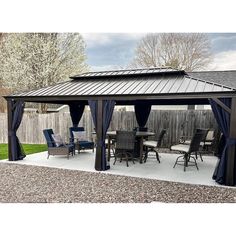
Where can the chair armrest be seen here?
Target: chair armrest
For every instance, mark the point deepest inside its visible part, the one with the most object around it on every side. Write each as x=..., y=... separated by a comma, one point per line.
x=71, y=139
x=50, y=142
x=182, y=139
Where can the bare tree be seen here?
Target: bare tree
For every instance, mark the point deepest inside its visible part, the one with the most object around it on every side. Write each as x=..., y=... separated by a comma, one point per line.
x=35, y=60
x=187, y=51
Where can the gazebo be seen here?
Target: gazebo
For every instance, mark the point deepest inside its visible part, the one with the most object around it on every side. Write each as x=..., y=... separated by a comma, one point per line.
x=141, y=88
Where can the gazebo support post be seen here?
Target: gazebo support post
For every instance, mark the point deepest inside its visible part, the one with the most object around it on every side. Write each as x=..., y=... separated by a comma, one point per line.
x=10, y=104
x=231, y=151
x=98, y=161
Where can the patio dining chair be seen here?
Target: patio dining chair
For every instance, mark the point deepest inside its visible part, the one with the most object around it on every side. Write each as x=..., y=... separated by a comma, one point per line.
x=209, y=139
x=153, y=146
x=55, y=148
x=188, y=150
x=125, y=146
x=202, y=143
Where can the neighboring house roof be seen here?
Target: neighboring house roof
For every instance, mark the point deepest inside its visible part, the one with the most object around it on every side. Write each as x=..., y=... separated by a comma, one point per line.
x=153, y=82
x=227, y=78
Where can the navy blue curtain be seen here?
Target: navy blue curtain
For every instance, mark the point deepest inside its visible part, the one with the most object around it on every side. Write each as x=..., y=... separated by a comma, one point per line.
x=108, y=108
x=76, y=112
x=223, y=119
x=142, y=110
x=16, y=147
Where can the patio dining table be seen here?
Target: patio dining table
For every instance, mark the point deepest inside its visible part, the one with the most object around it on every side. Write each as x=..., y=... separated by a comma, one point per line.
x=140, y=135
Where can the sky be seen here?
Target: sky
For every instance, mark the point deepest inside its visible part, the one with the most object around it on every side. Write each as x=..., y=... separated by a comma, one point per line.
x=107, y=51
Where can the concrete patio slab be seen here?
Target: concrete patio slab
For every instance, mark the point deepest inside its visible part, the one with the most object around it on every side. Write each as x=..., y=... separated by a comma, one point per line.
x=151, y=169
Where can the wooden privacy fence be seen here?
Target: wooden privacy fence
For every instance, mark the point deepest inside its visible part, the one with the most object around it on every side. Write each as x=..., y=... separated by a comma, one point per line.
x=177, y=123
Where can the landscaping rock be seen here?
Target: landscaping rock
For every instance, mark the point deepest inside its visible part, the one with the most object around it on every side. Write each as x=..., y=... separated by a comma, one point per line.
x=34, y=184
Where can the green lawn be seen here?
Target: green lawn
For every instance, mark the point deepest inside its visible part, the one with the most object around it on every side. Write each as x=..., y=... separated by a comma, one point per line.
x=28, y=148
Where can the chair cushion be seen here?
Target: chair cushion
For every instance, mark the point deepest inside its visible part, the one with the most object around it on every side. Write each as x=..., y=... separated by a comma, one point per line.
x=207, y=143
x=86, y=144
x=48, y=136
x=210, y=135
x=187, y=142
x=180, y=148
x=150, y=143
x=57, y=139
x=80, y=135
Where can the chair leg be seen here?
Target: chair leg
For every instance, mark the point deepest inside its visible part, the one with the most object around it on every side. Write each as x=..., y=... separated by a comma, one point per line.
x=157, y=156
x=133, y=160
x=113, y=151
x=200, y=156
x=131, y=156
x=146, y=154
x=195, y=163
x=127, y=160
x=186, y=159
x=177, y=161
x=115, y=160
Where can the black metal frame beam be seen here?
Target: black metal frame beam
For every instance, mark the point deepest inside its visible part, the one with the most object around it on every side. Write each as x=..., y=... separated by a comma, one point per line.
x=222, y=105
x=123, y=97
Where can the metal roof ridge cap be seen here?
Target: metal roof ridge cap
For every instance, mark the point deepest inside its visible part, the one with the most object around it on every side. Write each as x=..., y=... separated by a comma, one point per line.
x=174, y=70
x=134, y=69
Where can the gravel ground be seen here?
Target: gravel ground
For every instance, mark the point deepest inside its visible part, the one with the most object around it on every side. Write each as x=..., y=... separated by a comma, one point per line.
x=23, y=183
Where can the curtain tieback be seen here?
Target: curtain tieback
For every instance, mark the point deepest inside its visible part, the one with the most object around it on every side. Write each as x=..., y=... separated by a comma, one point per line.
x=101, y=144
x=12, y=133
x=230, y=141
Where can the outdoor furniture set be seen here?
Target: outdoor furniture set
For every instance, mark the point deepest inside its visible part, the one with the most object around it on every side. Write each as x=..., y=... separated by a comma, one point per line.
x=126, y=140
x=130, y=145
x=78, y=141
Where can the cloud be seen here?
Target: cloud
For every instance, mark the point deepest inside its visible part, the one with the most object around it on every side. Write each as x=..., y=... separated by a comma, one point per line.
x=224, y=61
x=105, y=49
x=223, y=42
x=101, y=39
x=96, y=39
x=105, y=68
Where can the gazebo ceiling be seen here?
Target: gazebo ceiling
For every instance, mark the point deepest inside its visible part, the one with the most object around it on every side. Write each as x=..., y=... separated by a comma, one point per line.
x=154, y=82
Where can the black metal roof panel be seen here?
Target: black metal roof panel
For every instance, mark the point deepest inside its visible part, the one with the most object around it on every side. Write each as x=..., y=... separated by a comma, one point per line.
x=227, y=78
x=155, y=84
x=128, y=72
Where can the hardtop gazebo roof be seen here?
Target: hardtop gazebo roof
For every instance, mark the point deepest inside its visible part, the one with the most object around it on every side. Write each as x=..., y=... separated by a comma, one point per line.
x=153, y=83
